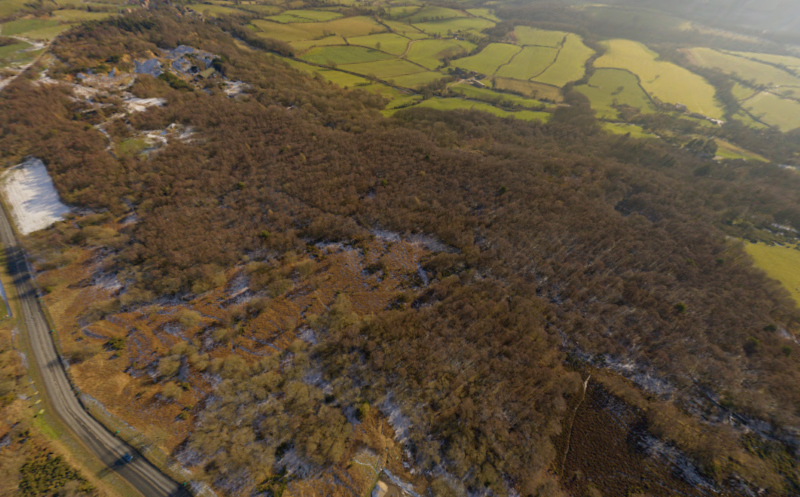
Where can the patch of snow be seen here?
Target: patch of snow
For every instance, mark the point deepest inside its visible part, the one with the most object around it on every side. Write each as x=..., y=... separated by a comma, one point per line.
x=35, y=204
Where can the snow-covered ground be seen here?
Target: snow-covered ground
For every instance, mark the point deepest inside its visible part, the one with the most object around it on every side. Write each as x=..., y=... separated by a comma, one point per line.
x=33, y=198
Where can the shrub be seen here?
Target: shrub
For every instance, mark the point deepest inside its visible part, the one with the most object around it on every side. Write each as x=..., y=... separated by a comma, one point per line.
x=116, y=343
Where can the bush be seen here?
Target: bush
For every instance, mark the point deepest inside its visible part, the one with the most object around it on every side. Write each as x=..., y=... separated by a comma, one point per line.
x=172, y=391
x=116, y=343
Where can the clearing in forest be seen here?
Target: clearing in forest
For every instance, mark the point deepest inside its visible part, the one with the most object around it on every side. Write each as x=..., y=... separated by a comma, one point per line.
x=665, y=81
x=780, y=262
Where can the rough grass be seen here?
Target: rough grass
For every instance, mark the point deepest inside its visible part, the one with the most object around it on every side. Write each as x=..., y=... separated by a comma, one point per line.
x=529, y=63
x=730, y=151
x=9, y=7
x=213, y=10
x=15, y=54
x=385, y=69
x=779, y=112
x=608, y=87
x=347, y=27
x=461, y=104
x=525, y=35
x=570, y=64
x=452, y=26
x=387, y=42
x=335, y=55
x=745, y=68
x=663, y=80
x=781, y=263
x=429, y=53
x=489, y=59
x=529, y=89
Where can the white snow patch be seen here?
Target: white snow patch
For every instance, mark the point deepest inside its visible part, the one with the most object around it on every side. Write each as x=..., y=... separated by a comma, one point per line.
x=135, y=104
x=34, y=201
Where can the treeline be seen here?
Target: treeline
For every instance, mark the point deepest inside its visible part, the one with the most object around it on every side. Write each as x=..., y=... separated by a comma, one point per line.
x=562, y=235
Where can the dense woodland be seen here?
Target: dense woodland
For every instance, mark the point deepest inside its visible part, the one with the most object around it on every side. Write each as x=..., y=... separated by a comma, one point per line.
x=564, y=240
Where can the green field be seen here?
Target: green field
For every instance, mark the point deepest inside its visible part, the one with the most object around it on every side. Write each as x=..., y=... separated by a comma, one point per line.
x=336, y=55
x=314, y=15
x=624, y=129
x=745, y=68
x=400, y=11
x=791, y=63
x=23, y=26
x=489, y=59
x=432, y=13
x=429, y=53
x=570, y=64
x=494, y=97
x=347, y=27
x=461, y=104
x=457, y=25
x=525, y=35
x=16, y=54
x=529, y=63
x=388, y=42
x=781, y=263
x=69, y=15
x=384, y=69
x=662, y=80
x=406, y=30
x=609, y=87
x=775, y=111
x=727, y=150
x=485, y=13
x=417, y=80
x=305, y=45
x=529, y=89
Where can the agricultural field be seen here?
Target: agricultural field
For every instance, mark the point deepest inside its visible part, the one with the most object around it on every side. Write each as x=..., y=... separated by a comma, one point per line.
x=610, y=87
x=781, y=263
x=789, y=62
x=493, y=97
x=336, y=55
x=471, y=26
x=432, y=13
x=627, y=129
x=346, y=27
x=529, y=89
x=727, y=150
x=461, y=104
x=743, y=68
x=387, y=42
x=525, y=35
x=664, y=81
x=489, y=59
x=529, y=63
x=429, y=53
x=773, y=110
x=569, y=65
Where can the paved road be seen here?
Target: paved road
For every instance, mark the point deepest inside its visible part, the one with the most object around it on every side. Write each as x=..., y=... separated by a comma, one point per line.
x=142, y=475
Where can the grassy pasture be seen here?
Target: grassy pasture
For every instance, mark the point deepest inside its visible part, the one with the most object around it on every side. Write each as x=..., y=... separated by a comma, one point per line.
x=640, y=19
x=433, y=13
x=400, y=11
x=267, y=10
x=781, y=263
x=730, y=151
x=457, y=25
x=744, y=68
x=775, y=111
x=429, y=53
x=336, y=55
x=417, y=80
x=406, y=30
x=484, y=13
x=340, y=78
x=287, y=19
x=213, y=10
x=69, y=15
x=23, y=26
x=493, y=97
x=461, y=104
x=9, y=7
x=741, y=92
x=791, y=63
x=529, y=88
x=16, y=54
x=529, y=63
x=314, y=15
x=347, y=27
x=525, y=35
x=489, y=59
x=384, y=69
x=663, y=80
x=614, y=86
x=569, y=65
x=624, y=129
x=302, y=46
x=387, y=42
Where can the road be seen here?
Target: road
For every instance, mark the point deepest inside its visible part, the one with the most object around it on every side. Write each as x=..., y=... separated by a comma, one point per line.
x=142, y=475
